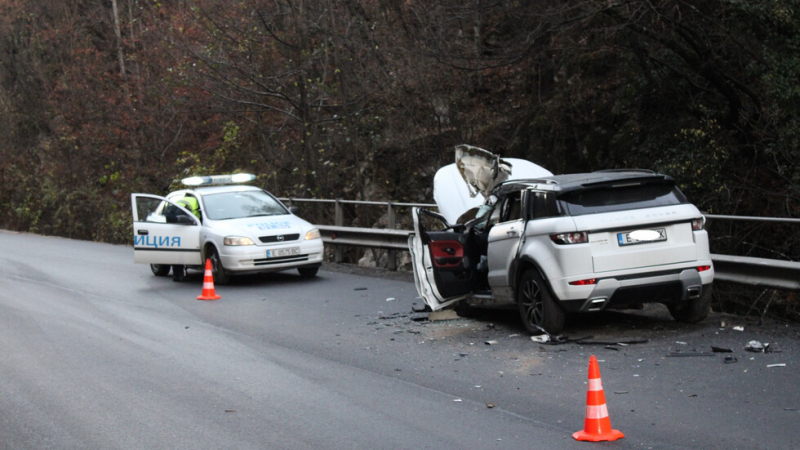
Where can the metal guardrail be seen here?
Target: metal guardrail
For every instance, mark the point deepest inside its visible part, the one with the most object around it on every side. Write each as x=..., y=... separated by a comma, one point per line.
x=759, y=272
x=365, y=237
x=389, y=238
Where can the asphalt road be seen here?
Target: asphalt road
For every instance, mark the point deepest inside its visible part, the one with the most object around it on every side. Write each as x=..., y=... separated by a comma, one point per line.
x=96, y=352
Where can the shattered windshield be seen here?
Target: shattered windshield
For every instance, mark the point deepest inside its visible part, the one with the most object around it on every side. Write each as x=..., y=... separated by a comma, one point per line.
x=237, y=205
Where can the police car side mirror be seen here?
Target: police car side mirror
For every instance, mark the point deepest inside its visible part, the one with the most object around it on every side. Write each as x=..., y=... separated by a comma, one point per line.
x=294, y=210
x=184, y=220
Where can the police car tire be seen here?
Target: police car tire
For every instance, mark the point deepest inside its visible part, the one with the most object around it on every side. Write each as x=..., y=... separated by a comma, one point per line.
x=308, y=272
x=220, y=275
x=160, y=270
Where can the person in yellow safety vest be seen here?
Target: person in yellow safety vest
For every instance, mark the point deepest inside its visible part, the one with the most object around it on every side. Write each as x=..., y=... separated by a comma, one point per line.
x=190, y=203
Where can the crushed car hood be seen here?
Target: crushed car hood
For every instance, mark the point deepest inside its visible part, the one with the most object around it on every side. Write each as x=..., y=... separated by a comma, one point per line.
x=476, y=171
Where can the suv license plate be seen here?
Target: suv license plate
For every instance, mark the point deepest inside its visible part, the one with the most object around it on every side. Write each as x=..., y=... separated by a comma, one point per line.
x=642, y=236
x=283, y=252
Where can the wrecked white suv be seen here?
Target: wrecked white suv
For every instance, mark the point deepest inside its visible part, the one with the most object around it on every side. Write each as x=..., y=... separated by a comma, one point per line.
x=555, y=244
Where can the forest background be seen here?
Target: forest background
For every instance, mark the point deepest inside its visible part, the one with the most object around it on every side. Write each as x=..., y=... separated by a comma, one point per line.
x=365, y=99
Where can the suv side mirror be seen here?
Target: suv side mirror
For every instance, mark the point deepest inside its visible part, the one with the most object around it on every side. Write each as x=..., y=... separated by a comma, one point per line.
x=294, y=210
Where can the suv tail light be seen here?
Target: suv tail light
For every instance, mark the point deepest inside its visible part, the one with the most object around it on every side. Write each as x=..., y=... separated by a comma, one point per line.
x=698, y=224
x=578, y=237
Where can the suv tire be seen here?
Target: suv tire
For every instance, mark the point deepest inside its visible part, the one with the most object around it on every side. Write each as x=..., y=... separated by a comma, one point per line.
x=538, y=310
x=694, y=310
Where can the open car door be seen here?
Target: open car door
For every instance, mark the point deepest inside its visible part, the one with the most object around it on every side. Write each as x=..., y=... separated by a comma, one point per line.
x=163, y=232
x=442, y=261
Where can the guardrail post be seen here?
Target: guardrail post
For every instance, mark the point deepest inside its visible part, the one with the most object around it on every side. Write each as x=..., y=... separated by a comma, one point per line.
x=338, y=220
x=391, y=223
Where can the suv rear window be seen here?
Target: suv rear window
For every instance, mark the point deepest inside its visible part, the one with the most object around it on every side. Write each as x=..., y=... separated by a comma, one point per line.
x=608, y=199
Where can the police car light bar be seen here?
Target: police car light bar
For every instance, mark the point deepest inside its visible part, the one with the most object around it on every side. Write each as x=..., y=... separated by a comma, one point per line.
x=218, y=179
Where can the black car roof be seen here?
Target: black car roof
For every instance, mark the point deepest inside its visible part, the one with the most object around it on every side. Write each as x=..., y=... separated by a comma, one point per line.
x=591, y=180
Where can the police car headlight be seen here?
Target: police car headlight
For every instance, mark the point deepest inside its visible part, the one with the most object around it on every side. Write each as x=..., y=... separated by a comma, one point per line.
x=313, y=234
x=236, y=240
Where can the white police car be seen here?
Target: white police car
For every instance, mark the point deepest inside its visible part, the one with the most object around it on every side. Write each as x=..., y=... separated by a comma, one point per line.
x=242, y=229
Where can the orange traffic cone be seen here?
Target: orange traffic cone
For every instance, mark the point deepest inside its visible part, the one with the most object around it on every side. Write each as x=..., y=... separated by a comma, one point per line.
x=208, y=284
x=597, y=426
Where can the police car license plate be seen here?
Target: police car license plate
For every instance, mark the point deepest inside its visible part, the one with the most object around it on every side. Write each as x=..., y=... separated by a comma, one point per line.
x=277, y=253
x=642, y=236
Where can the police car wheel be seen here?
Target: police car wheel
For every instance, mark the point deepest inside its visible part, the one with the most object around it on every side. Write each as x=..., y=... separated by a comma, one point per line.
x=220, y=275
x=308, y=272
x=160, y=270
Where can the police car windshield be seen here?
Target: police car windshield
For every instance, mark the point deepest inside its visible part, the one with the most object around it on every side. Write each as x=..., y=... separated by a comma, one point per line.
x=237, y=205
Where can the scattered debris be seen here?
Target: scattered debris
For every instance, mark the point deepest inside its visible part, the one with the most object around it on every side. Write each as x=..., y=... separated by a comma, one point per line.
x=419, y=309
x=738, y=328
x=457, y=400
x=396, y=315
x=757, y=347
x=542, y=338
x=419, y=317
x=230, y=410
x=391, y=299
x=490, y=342
x=490, y=405
x=674, y=354
x=721, y=350
x=621, y=392
x=584, y=341
x=681, y=343
x=730, y=360
x=776, y=365
x=360, y=289
x=444, y=314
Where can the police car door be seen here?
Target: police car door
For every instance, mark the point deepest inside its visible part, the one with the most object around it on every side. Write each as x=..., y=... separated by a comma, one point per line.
x=163, y=232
